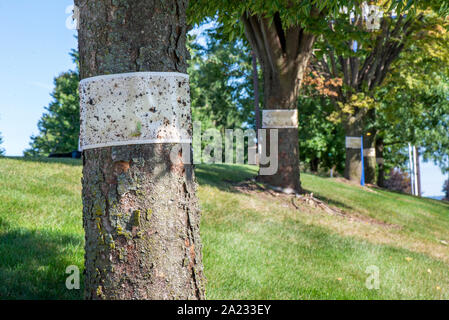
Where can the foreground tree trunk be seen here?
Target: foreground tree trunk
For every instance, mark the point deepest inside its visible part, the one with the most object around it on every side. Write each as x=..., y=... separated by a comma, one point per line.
x=283, y=55
x=140, y=211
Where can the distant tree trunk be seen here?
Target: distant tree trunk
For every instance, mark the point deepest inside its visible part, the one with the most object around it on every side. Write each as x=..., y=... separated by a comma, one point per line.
x=158, y=254
x=355, y=127
x=370, y=162
x=353, y=165
x=364, y=75
x=380, y=162
x=314, y=164
x=256, y=94
x=369, y=145
x=284, y=55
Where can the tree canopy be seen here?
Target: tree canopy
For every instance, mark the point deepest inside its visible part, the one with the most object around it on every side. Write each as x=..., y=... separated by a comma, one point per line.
x=220, y=82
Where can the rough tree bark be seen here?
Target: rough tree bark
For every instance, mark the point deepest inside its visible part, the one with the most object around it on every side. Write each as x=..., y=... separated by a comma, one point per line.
x=283, y=55
x=157, y=254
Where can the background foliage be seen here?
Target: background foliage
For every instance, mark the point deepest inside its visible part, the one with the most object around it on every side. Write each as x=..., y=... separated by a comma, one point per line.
x=59, y=126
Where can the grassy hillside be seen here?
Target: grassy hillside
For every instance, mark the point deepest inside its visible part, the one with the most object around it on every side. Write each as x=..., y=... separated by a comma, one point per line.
x=257, y=245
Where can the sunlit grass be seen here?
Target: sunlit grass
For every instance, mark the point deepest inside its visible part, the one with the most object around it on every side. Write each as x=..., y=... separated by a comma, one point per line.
x=255, y=246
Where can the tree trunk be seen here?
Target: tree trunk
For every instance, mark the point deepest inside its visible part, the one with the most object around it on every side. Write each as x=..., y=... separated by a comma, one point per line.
x=284, y=55
x=282, y=96
x=380, y=162
x=353, y=165
x=314, y=164
x=140, y=211
x=369, y=146
x=355, y=127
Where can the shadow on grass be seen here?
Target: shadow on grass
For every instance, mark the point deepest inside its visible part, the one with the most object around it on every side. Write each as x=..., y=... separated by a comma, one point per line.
x=222, y=175
x=33, y=264
x=67, y=161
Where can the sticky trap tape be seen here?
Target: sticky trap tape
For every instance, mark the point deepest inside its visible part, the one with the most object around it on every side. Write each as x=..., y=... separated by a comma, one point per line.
x=135, y=108
x=279, y=119
x=353, y=143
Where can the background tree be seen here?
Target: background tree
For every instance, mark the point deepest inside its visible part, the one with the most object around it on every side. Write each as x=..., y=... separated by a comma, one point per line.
x=413, y=102
x=321, y=141
x=59, y=127
x=398, y=180
x=154, y=252
x=446, y=190
x=277, y=35
x=2, y=151
x=282, y=34
x=363, y=60
x=221, y=82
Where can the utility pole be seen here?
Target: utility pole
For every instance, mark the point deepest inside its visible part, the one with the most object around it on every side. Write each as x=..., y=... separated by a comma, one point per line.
x=417, y=172
x=410, y=161
x=415, y=176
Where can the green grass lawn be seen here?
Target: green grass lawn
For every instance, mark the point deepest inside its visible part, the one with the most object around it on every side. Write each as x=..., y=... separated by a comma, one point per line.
x=256, y=245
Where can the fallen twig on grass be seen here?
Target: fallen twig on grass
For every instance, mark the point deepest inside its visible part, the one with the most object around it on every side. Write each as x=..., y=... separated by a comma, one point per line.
x=310, y=200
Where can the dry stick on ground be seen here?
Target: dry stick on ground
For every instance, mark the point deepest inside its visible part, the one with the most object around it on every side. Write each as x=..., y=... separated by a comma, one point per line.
x=310, y=200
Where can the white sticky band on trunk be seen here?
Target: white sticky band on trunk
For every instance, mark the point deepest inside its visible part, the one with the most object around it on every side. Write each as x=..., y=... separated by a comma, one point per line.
x=279, y=119
x=380, y=160
x=353, y=142
x=369, y=152
x=135, y=108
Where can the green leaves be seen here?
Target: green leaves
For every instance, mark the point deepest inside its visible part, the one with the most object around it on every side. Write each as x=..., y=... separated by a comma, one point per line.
x=320, y=139
x=415, y=105
x=220, y=81
x=59, y=126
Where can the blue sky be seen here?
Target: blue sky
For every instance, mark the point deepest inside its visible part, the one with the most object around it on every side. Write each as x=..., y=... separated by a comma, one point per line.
x=35, y=48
